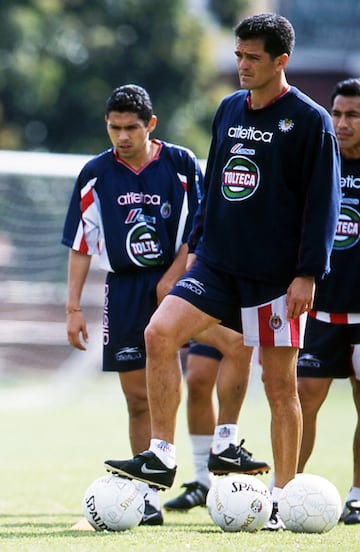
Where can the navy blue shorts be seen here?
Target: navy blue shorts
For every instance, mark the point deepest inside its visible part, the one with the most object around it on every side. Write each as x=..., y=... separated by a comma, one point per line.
x=225, y=296
x=201, y=349
x=330, y=350
x=130, y=301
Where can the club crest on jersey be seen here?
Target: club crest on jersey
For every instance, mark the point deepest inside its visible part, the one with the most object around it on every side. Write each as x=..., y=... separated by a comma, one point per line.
x=143, y=247
x=275, y=322
x=165, y=210
x=347, y=228
x=285, y=125
x=240, y=179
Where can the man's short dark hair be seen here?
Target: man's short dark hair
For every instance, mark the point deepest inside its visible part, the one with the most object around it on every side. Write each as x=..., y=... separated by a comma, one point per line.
x=275, y=30
x=131, y=98
x=347, y=87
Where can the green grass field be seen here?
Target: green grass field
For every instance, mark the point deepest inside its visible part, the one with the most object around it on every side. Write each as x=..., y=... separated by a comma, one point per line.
x=51, y=452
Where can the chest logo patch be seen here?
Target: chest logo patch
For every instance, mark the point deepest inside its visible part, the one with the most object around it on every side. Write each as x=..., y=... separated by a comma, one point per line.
x=347, y=229
x=240, y=179
x=143, y=247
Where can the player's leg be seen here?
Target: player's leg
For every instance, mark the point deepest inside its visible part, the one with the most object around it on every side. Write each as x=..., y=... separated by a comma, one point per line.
x=312, y=394
x=232, y=382
x=202, y=364
x=133, y=384
x=279, y=377
x=267, y=326
x=351, y=511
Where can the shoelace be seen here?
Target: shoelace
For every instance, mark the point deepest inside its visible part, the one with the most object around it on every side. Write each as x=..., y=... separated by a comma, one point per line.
x=241, y=448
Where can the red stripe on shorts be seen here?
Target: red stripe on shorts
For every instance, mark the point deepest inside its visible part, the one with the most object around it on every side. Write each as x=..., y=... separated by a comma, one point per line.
x=295, y=332
x=266, y=334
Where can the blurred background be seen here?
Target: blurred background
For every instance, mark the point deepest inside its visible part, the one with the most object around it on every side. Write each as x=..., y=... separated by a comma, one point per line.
x=59, y=61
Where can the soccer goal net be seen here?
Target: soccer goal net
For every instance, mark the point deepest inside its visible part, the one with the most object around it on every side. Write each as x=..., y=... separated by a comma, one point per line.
x=35, y=190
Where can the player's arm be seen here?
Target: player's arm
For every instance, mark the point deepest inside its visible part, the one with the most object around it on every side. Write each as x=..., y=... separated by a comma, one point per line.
x=171, y=276
x=78, y=269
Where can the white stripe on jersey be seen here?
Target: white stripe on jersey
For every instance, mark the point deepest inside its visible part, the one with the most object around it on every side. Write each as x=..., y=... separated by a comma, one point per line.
x=183, y=214
x=90, y=230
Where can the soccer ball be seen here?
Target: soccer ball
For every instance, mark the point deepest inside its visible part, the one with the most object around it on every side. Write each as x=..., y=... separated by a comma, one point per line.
x=309, y=504
x=239, y=503
x=112, y=503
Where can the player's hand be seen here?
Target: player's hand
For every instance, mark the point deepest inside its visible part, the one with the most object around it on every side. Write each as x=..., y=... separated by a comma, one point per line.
x=77, y=330
x=300, y=296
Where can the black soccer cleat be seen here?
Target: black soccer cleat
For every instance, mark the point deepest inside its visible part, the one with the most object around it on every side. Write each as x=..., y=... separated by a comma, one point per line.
x=152, y=516
x=352, y=515
x=146, y=467
x=236, y=459
x=194, y=495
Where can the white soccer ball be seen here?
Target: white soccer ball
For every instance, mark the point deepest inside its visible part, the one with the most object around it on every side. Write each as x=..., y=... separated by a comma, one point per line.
x=239, y=503
x=309, y=504
x=113, y=503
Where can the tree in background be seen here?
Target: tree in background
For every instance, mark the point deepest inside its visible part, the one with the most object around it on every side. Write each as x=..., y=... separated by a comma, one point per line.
x=227, y=12
x=61, y=59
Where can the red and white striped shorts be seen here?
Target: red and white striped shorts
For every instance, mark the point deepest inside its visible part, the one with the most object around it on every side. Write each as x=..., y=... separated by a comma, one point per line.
x=267, y=325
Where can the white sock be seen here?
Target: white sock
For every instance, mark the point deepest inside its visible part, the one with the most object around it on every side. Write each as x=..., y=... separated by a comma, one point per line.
x=165, y=451
x=224, y=435
x=275, y=493
x=150, y=493
x=272, y=482
x=200, y=445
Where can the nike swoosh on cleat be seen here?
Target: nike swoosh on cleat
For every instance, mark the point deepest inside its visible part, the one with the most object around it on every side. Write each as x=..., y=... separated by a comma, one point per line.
x=145, y=469
x=235, y=461
x=146, y=517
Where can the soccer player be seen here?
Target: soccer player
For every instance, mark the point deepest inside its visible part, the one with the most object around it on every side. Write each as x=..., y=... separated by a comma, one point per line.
x=272, y=185
x=332, y=335
x=133, y=206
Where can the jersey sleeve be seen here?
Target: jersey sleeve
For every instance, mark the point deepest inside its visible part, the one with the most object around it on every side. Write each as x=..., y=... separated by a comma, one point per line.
x=82, y=223
x=322, y=205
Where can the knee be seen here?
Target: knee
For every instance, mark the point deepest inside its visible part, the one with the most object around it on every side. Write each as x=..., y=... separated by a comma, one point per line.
x=198, y=387
x=137, y=403
x=279, y=391
x=155, y=335
x=311, y=396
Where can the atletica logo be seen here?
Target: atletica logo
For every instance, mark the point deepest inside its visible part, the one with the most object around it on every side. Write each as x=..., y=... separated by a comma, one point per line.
x=347, y=228
x=250, y=133
x=192, y=285
x=240, y=179
x=135, y=197
x=143, y=246
x=128, y=353
x=350, y=181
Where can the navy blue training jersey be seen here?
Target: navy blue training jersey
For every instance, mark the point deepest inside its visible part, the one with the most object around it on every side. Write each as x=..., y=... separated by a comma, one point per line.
x=134, y=219
x=272, y=190
x=339, y=292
